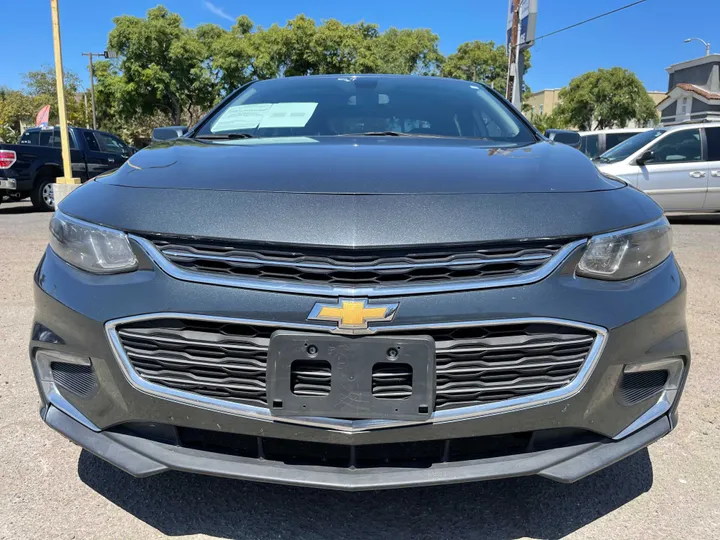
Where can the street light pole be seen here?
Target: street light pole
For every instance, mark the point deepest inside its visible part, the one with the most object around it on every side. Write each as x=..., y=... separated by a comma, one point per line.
x=92, y=86
x=105, y=54
x=707, y=45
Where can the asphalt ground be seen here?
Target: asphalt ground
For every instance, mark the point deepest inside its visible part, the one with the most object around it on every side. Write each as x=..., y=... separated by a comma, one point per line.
x=49, y=488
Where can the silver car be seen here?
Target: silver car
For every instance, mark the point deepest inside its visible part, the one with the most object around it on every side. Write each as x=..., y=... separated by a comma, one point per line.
x=678, y=166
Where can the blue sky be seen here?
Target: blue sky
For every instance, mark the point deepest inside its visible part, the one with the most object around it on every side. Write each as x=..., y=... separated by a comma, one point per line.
x=646, y=38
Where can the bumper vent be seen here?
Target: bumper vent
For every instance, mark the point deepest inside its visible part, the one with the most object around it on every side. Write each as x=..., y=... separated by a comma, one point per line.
x=474, y=366
x=637, y=386
x=77, y=379
x=357, y=267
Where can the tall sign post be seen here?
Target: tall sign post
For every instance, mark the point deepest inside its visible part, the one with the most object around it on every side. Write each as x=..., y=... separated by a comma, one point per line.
x=66, y=182
x=521, y=22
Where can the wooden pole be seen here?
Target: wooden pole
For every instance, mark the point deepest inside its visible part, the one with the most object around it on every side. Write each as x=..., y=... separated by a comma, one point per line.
x=65, y=141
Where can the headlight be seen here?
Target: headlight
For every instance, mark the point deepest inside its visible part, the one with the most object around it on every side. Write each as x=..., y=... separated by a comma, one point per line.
x=627, y=253
x=91, y=247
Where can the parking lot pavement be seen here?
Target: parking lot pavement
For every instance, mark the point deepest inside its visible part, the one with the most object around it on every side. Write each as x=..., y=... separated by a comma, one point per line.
x=50, y=489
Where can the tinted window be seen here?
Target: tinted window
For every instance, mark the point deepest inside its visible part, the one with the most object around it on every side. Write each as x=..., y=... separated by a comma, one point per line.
x=613, y=139
x=57, y=141
x=625, y=149
x=46, y=138
x=91, y=142
x=713, y=142
x=590, y=146
x=678, y=146
x=332, y=106
x=111, y=144
x=30, y=137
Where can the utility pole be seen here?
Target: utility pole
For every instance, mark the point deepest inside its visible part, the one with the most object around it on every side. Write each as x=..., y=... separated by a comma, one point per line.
x=106, y=54
x=59, y=80
x=513, y=51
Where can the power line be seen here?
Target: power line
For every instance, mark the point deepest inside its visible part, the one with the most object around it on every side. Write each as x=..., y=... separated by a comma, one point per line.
x=588, y=20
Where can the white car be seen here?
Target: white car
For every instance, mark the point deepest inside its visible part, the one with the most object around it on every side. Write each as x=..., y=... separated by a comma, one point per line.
x=678, y=166
x=595, y=143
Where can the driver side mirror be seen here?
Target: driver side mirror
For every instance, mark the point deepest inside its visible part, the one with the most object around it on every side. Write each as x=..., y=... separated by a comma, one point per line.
x=647, y=155
x=571, y=138
x=168, y=133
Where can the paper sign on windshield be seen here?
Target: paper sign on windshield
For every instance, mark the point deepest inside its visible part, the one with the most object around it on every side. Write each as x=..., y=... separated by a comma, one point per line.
x=288, y=115
x=241, y=117
x=264, y=115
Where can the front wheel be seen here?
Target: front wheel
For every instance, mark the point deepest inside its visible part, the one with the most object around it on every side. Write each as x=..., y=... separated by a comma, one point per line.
x=42, y=194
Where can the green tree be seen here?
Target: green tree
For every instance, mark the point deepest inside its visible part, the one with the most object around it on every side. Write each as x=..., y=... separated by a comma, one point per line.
x=41, y=87
x=163, y=65
x=605, y=98
x=481, y=61
x=409, y=52
x=544, y=121
x=18, y=108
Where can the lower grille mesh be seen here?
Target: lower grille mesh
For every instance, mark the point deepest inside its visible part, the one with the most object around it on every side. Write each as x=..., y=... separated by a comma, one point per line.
x=475, y=365
x=78, y=379
x=637, y=386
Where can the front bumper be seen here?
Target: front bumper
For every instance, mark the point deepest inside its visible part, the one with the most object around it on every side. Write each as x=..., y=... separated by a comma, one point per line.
x=142, y=457
x=644, y=319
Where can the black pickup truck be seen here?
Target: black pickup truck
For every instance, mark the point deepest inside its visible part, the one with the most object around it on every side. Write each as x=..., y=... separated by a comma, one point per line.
x=27, y=169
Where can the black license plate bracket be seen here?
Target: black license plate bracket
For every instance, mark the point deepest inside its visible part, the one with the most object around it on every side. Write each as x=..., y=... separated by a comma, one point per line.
x=351, y=361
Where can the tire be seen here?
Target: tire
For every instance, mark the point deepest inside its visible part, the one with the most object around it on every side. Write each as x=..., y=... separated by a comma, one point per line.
x=41, y=195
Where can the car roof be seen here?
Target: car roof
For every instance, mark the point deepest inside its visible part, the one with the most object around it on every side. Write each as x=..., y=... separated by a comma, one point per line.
x=617, y=130
x=294, y=79
x=675, y=127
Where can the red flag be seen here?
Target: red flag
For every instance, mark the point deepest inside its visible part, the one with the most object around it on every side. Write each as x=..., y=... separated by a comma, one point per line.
x=43, y=116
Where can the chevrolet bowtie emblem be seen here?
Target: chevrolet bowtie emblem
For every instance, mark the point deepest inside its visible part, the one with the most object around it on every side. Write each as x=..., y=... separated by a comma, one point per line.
x=352, y=316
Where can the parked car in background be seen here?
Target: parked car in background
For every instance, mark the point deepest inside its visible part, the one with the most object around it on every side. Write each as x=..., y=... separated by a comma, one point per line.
x=595, y=143
x=28, y=169
x=678, y=166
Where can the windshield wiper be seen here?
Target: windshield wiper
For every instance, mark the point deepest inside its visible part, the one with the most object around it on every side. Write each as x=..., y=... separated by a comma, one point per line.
x=225, y=136
x=379, y=134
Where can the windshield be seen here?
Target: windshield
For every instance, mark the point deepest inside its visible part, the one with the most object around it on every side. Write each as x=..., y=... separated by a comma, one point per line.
x=370, y=105
x=627, y=148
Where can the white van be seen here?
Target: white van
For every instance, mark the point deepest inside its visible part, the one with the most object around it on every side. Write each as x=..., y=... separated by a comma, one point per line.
x=678, y=166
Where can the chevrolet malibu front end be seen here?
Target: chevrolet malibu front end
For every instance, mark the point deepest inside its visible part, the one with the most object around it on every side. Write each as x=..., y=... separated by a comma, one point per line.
x=360, y=283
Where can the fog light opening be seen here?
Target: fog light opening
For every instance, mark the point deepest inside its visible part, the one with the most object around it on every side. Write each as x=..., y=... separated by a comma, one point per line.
x=660, y=379
x=70, y=372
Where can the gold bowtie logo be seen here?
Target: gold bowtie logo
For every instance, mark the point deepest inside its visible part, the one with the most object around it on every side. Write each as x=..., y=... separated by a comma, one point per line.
x=352, y=315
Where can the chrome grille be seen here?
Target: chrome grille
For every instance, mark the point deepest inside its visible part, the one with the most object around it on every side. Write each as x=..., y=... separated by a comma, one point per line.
x=355, y=267
x=475, y=365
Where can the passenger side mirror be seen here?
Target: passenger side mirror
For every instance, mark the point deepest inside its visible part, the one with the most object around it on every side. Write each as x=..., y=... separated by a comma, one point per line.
x=647, y=155
x=168, y=133
x=564, y=136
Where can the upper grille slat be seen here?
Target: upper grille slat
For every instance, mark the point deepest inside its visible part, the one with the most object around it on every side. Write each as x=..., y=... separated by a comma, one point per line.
x=474, y=365
x=357, y=267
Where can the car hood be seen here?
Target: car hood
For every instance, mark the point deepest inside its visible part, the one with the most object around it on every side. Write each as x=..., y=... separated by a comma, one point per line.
x=361, y=165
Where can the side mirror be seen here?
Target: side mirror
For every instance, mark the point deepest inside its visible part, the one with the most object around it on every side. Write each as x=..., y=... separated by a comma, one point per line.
x=647, y=155
x=564, y=136
x=168, y=133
